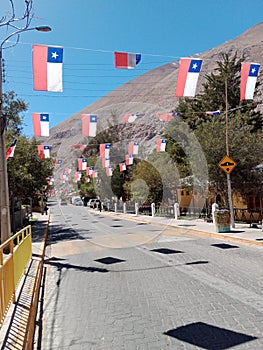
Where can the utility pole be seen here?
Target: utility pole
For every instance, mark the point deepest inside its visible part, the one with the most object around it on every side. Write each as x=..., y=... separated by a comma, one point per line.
x=232, y=221
x=4, y=194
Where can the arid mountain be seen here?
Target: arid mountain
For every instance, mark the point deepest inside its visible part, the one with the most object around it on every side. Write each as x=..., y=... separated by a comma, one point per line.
x=149, y=94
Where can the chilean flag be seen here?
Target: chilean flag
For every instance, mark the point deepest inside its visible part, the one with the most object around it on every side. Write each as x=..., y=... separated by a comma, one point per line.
x=213, y=112
x=47, y=68
x=89, y=171
x=248, y=79
x=133, y=147
x=40, y=124
x=109, y=171
x=95, y=174
x=105, y=150
x=89, y=125
x=122, y=166
x=82, y=164
x=43, y=151
x=130, y=118
x=105, y=162
x=11, y=150
x=165, y=117
x=58, y=161
x=161, y=145
x=188, y=74
x=129, y=159
x=77, y=176
x=126, y=60
x=81, y=147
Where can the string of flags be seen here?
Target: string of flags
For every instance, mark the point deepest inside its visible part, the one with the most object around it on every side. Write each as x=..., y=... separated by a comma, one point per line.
x=47, y=76
x=48, y=61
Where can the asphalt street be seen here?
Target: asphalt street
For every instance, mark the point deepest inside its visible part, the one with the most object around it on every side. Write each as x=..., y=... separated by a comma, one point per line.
x=111, y=283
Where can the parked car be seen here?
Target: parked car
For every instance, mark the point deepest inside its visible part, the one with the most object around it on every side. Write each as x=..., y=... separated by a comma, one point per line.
x=77, y=201
x=93, y=202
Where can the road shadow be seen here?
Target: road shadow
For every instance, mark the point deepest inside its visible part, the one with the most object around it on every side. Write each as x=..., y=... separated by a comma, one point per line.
x=206, y=336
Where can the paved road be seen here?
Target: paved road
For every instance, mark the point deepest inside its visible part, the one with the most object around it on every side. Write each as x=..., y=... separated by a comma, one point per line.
x=116, y=284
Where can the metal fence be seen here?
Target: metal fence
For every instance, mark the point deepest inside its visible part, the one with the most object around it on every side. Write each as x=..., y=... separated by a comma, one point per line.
x=30, y=326
x=245, y=215
x=15, y=254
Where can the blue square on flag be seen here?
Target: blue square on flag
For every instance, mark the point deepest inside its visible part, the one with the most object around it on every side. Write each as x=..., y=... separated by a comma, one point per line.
x=44, y=117
x=55, y=55
x=107, y=146
x=93, y=118
x=195, y=66
x=138, y=57
x=254, y=68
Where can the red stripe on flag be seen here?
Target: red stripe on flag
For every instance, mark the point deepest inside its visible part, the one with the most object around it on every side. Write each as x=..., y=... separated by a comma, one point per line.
x=85, y=124
x=40, y=67
x=182, y=75
x=245, y=67
x=36, y=124
x=121, y=59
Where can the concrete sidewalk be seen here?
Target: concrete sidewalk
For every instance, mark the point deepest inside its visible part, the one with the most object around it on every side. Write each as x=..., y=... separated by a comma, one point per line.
x=241, y=233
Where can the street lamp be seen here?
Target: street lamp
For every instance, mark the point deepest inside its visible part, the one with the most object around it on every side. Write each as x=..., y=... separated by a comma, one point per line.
x=4, y=194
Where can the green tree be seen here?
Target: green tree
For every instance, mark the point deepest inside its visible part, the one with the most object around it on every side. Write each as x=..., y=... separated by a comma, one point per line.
x=244, y=128
x=27, y=174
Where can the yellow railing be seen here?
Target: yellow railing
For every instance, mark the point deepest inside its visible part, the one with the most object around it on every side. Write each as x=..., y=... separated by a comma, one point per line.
x=15, y=253
x=30, y=326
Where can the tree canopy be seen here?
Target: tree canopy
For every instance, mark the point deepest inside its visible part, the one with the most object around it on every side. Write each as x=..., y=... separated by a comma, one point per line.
x=27, y=174
x=243, y=131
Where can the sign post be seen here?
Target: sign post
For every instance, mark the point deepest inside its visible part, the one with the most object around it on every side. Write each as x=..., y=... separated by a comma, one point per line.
x=228, y=164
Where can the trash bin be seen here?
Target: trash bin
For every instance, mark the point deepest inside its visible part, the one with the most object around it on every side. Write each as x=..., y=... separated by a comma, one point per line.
x=222, y=220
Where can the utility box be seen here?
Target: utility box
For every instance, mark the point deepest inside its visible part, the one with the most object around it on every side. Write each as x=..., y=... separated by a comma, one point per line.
x=222, y=220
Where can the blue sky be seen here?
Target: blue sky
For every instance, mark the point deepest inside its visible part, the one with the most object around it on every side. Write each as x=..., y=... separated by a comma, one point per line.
x=90, y=31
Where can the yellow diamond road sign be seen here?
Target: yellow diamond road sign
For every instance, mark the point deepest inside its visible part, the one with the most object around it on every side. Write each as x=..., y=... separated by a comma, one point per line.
x=227, y=164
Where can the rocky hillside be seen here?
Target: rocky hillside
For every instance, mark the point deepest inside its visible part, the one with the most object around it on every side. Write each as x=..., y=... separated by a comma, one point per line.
x=157, y=96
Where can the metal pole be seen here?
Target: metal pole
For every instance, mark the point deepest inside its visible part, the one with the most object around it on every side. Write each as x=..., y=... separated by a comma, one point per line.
x=4, y=194
x=232, y=221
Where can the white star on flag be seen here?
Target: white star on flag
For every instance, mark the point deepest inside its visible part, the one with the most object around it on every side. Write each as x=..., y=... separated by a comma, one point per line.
x=54, y=55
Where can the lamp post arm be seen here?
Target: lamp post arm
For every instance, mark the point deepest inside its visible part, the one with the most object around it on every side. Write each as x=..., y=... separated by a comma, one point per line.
x=13, y=34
